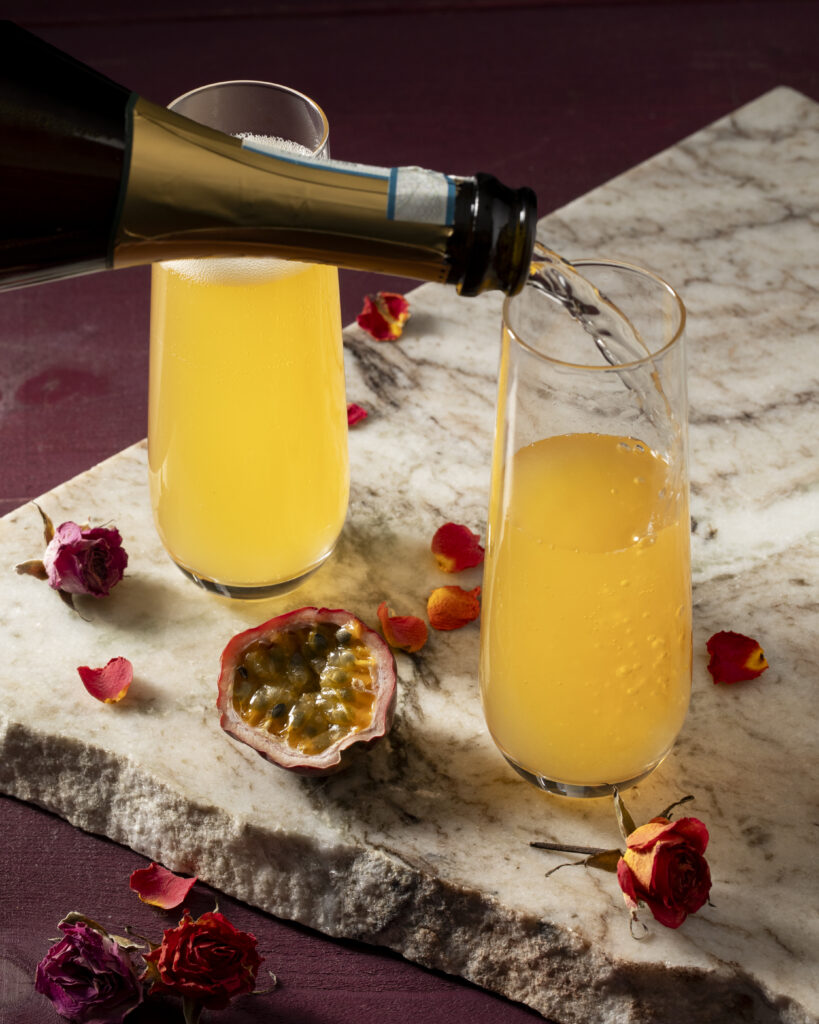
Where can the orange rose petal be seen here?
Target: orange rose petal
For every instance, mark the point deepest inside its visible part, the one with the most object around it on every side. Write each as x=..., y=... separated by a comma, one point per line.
x=406, y=632
x=384, y=315
x=453, y=607
x=160, y=887
x=735, y=657
x=110, y=683
x=456, y=547
x=355, y=413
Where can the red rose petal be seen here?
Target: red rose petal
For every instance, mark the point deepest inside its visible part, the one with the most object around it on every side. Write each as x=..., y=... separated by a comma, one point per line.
x=160, y=887
x=384, y=315
x=355, y=413
x=735, y=657
x=110, y=683
x=406, y=632
x=456, y=547
x=452, y=607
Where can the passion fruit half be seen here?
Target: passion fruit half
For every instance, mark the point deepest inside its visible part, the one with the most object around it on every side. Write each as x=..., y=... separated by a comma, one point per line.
x=307, y=688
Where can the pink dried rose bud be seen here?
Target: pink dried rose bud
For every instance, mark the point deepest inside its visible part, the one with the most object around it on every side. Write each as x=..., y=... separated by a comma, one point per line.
x=109, y=683
x=664, y=867
x=355, y=413
x=384, y=315
x=406, y=632
x=88, y=976
x=80, y=560
x=456, y=548
x=160, y=887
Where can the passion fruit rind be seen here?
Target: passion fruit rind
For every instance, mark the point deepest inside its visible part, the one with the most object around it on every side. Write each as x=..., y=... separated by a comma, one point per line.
x=307, y=689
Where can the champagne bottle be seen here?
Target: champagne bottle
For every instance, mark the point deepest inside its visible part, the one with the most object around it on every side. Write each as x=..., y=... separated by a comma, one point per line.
x=93, y=176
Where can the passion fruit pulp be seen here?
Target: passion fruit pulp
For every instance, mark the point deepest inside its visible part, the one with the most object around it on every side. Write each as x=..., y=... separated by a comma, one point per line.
x=306, y=688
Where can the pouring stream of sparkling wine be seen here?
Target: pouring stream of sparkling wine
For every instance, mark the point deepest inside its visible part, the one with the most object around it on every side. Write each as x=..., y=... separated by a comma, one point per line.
x=608, y=327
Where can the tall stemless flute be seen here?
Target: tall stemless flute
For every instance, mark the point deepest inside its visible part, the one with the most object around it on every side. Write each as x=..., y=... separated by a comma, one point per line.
x=586, y=632
x=247, y=437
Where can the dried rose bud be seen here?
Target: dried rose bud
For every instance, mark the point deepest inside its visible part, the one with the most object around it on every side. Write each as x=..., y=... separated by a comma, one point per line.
x=88, y=975
x=456, y=547
x=160, y=887
x=355, y=413
x=384, y=315
x=735, y=657
x=453, y=607
x=664, y=867
x=109, y=683
x=406, y=632
x=80, y=560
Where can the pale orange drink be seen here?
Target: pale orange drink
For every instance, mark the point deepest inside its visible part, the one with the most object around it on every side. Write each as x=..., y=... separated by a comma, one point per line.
x=587, y=632
x=586, y=604
x=247, y=418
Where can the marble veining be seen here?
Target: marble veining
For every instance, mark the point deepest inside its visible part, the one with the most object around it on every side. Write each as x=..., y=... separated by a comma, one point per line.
x=423, y=845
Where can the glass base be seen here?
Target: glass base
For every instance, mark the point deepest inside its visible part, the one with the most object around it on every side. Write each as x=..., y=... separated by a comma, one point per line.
x=250, y=593
x=581, y=792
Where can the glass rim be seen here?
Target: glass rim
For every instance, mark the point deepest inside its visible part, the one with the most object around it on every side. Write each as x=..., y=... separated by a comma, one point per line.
x=602, y=261
x=325, y=124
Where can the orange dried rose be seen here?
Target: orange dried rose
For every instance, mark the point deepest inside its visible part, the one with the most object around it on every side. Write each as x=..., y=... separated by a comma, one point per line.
x=384, y=315
x=735, y=657
x=355, y=413
x=406, y=632
x=160, y=887
x=453, y=607
x=456, y=547
x=109, y=683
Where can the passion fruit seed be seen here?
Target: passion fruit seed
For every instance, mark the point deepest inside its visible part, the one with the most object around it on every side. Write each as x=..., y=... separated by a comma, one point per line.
x=302, y=688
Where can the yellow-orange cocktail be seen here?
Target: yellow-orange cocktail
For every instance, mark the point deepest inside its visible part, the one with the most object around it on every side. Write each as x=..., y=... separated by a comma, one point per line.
x=586, y=603
x=247, y=418
x=587, y=631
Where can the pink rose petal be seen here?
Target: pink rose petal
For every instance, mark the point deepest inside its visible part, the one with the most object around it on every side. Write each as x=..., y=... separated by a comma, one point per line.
x=355, y=413
x=160, y=887
x=110, y=683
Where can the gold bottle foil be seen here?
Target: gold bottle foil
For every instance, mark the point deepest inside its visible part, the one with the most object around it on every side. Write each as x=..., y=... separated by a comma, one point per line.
x=194, y=192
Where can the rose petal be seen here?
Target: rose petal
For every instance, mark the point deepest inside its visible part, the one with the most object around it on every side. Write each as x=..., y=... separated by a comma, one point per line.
x=355, y=413
x=384, y=315
x=735, y=657
x=456, y=547
x=452, y=607
x=110, y=683
x=160, y=887
x=406, y=632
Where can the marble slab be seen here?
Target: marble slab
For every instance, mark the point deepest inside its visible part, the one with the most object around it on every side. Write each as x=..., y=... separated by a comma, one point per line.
x=424, y=845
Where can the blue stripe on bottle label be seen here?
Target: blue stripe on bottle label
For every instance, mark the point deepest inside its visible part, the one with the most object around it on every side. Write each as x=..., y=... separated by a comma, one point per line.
x=413, y=194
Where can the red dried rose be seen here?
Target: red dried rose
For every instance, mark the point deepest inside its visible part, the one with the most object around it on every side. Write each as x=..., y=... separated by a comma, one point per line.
x=452, y=607
x=735, y=657
x=355, y=413
x=664, y=867
x=456, y=548
x=160, y=887
x=109, y=683
x=384, y=315
x=406, y=632
x=206, y=961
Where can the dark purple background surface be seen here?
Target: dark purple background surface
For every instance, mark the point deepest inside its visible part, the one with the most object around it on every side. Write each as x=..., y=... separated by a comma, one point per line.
x=558, y=96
